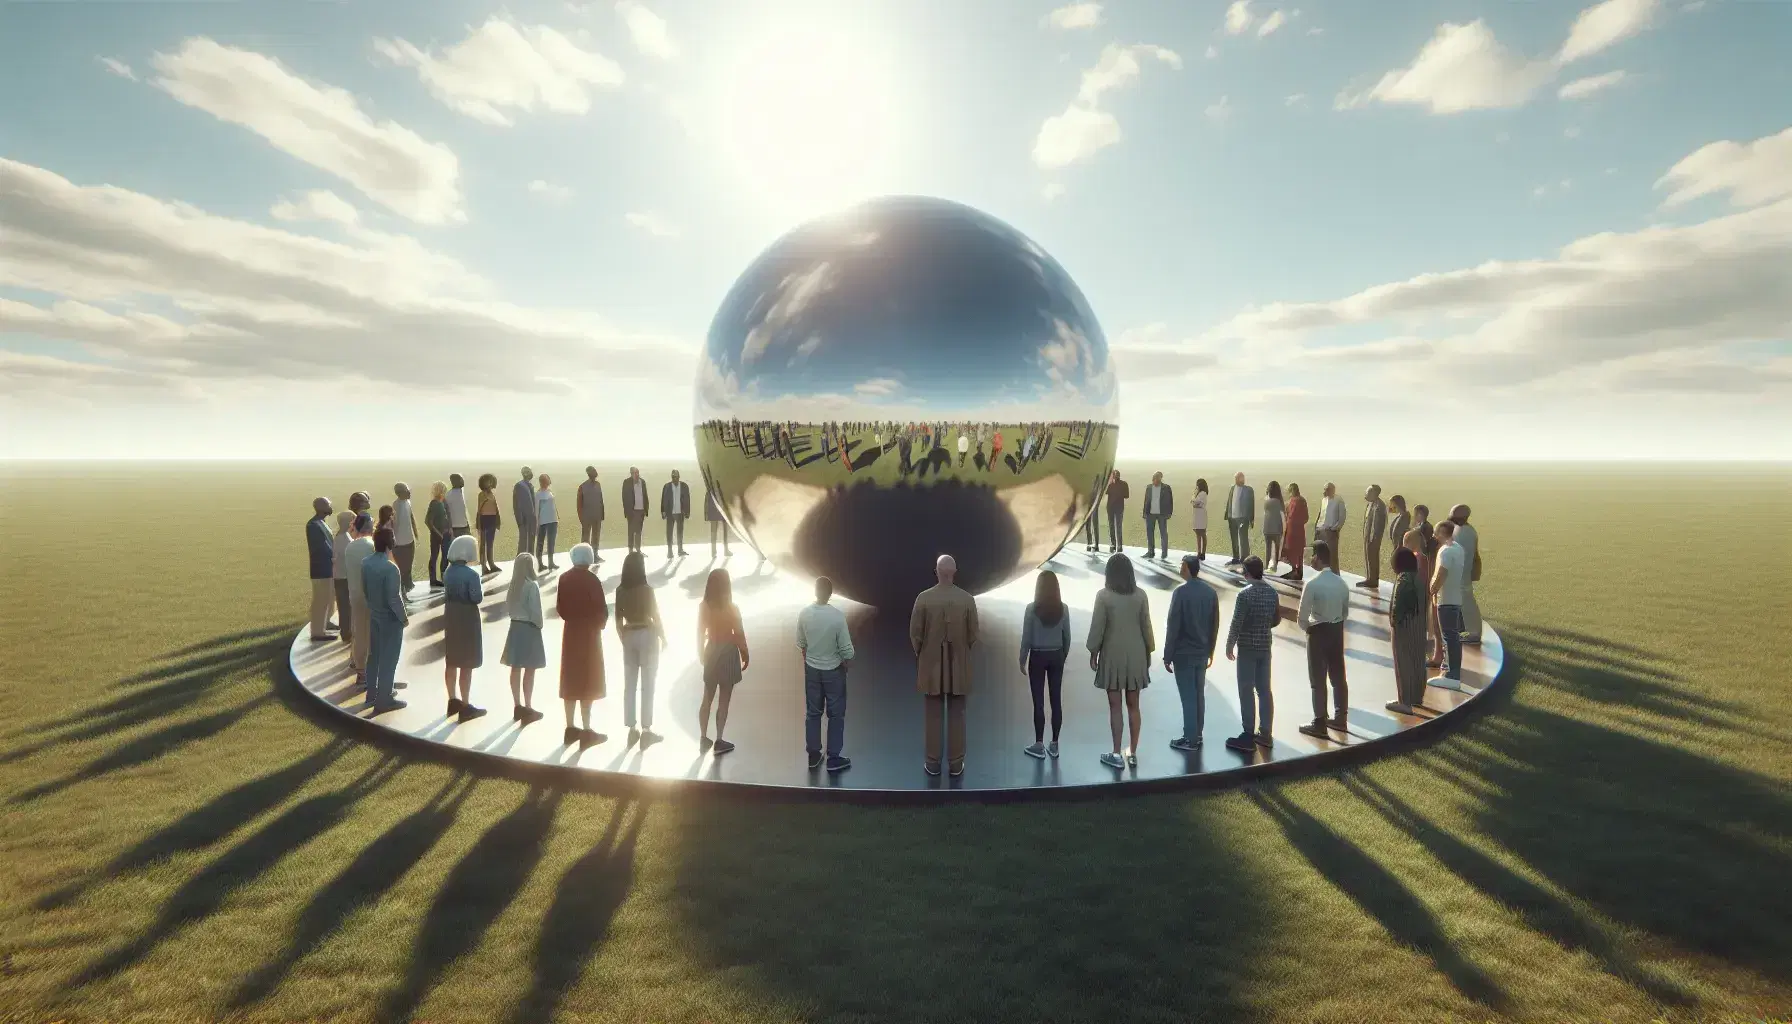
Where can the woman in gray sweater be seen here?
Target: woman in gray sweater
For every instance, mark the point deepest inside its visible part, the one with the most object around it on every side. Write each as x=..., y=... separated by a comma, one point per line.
x=1044, y=647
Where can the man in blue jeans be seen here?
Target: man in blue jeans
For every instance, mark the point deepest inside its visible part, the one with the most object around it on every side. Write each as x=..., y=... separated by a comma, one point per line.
x=822, y=636
x=1189, y=638
x=1255, y=614
x=1448, y=583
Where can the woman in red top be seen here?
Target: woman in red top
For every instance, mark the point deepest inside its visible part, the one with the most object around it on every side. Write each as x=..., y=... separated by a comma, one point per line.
x=1294, y=534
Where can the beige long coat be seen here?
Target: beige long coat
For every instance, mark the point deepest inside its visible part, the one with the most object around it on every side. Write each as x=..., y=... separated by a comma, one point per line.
x=942, y=630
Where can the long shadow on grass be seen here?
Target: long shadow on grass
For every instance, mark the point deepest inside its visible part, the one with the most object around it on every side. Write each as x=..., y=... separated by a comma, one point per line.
x=378, y=867
x=211, y=822
x=1380, y=894
x=204, y=893
x=475, y=892
x=1132, y=910
x=585, y=902
x=1652, y=835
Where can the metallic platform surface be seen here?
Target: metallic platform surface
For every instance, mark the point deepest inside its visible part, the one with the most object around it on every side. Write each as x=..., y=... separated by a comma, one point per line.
x=884, y=712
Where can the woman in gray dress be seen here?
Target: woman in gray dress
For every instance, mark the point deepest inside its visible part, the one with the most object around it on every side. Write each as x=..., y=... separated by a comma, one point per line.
x=1120, y=647
x=1406, y=621
x=462, y=592
x=1272, y=525
x=723, y=643
x=523, y=649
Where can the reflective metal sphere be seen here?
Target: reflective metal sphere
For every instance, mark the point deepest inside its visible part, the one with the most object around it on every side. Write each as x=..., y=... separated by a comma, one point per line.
x=906, y=379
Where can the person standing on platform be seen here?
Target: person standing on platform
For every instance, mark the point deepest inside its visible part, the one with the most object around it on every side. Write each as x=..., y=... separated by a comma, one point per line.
x=964, y=445
x=1199, y=504
x=1092, y=525
x=1118, y=491
x=826, y=643
x=523, y=651
x=321, y=553
x=345, y=614
x=1447, y=588
x=1255, y=614
x=360, y=502
x=404, y=534
x=1294, y=535
x=1470, y=543
x=547, y=523
x=1406, y=626
x=1044, y=650
x=522, y=506
x=456, y=500
x=1375, y=526
x=1399, y=521
x=1159, y=500
x=591, y=510
x=1120, y=644
x=488, y=523
x=463, y=630
x=359, y=549
x=1274, y=523
x=643, y=637
x=1190, y=635
x=1324, y=605
x=1241, y=515
x=584, y=612
x=675, y=508
x=942, y=629
x=712, y=514
x=386, y=620
x=1331, y=520
x=1426, y=549
x=634, y=506
x=722, y=644
x=436, y=519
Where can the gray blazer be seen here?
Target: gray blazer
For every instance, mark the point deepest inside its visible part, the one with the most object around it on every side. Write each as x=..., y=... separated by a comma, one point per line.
x=1250, y=503
x=522, y=501
x=1375, y=521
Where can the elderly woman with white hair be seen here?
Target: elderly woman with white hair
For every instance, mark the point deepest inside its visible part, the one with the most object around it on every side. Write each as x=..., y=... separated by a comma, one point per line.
x=585, y=612
x=523, y=649
x=461, y=628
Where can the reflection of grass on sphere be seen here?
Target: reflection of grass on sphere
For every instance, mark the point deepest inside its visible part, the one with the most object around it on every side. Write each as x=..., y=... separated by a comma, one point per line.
x=1608, y=844
x=883, y=465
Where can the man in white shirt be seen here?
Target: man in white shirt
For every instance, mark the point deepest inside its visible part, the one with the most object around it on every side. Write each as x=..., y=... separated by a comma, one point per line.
x=822, y=636
x=1324, y=605
x=634, y=506
x=964, y=446
x=458, y=523
x=404, y=535
x=1470, y=543
x=1331, y=520
x=675, y=508
x=360, y=548
x=1447, y=589
x=1158, y=502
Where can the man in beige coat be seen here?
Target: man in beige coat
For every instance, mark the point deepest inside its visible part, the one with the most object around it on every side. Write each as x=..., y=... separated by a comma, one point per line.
x=942, y=630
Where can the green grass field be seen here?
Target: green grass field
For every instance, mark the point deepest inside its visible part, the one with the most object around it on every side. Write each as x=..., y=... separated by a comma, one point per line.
x=1612, y=843
x=883, y=463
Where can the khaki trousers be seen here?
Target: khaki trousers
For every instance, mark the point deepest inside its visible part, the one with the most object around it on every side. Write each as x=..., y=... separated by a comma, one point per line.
x=1372, y=562
x=357, y=649
x=323, y=595
x=954, y=714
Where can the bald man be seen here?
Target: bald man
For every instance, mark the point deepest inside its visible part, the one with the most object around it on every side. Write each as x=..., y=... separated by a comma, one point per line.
x=942, y=630
x=319, y=547
x=1375, y=526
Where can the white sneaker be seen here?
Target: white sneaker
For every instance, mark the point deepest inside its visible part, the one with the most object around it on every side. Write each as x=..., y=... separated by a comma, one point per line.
x=1445, y=683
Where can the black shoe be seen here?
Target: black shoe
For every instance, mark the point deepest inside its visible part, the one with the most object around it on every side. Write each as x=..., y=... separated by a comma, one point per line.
x=516, y=713
x=1340, y=723
x=1316, y=729
x=435, y=584
x=815, y=760
x=722, y=747
x=468, y=712
x=590, y=738
x=1263, y=740
x=454, y=706
x=391, y=705
x=321, y=639
x=400, y=684
x=1366, y=585
x=1471, y=641
x=956, y=770
x=1241, y=743
x=931, y=768
x=531, y=715
x=839, y=764
x=1150, y=554
x=570, y=737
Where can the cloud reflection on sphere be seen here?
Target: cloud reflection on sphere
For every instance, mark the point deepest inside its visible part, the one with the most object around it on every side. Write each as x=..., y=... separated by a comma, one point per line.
x=838, y=357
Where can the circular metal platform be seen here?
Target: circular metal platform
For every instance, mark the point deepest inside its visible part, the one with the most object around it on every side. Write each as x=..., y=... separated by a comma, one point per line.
x=884, y=711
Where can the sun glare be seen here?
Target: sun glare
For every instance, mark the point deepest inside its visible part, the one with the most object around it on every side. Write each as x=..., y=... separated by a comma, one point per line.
x=806, y=120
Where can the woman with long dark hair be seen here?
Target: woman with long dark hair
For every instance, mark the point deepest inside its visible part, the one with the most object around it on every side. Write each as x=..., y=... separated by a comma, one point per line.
x=1044, y=647
x=643, y=638
x=1120, y=646
x=723, y=643
x=1199, y=504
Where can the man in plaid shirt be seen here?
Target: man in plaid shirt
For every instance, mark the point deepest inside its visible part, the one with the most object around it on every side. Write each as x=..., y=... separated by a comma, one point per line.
x=1254, y=615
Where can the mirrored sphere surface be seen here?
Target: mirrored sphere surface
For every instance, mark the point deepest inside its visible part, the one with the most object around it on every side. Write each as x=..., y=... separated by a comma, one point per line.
x=905, y=379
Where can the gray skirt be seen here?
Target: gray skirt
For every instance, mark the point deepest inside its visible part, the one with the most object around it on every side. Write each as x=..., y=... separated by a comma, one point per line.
x=462, y=635
x=721, y=665
x=523, y=647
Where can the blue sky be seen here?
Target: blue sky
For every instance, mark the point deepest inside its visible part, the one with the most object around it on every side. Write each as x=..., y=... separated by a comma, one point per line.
x=1517, y=222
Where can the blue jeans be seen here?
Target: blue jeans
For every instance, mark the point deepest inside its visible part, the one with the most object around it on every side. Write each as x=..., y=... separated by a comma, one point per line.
x=1449, y=619
x=1162, y=525
x=824, y=687
x=1191, y=683
x=384, y=643
x=1255, y=704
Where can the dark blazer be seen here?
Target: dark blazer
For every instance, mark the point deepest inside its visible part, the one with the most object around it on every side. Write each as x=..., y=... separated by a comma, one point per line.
x=317, y=543
x=684, y=500
x=1194, y=624
x=628, y=498
x=1165, y=506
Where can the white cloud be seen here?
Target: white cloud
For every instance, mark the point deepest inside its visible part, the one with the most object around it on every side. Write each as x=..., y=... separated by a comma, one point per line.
x=1603, y=24
x=1239, y=17
x=118, y=67
x=647, y=30
x=503, y=66
x=1212, y=51
x=1751, y=172
x=549, y=190
x=1051, y=190
x=320, y=125
x=161, y=291
x=1084, y=128
x=1581, y=88
x=1075, y=16
x=1220, y=109
x=1298, y=99
x=316, y=205
x=878, y=387
x=1275, y=20
x=652, y=223
x=1462, y=67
